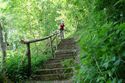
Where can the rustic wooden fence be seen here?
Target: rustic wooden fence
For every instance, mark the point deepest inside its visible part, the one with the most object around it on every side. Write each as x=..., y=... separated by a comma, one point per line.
x=54, y=36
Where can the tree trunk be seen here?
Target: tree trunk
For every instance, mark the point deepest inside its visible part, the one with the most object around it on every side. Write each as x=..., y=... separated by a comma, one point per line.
x=3, y=50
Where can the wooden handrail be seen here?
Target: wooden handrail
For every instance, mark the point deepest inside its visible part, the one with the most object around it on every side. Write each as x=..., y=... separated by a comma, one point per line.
x=37, y=40
x=28, y=53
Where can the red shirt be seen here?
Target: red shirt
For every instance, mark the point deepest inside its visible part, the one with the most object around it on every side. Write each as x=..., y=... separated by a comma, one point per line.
x=62, y=26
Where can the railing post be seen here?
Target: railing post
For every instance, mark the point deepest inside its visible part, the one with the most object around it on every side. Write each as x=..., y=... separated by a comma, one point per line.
x=51, y=46
x=29, y=60
x=56, y=41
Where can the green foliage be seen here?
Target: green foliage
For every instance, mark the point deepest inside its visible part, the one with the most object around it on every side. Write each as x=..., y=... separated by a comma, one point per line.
x=98, y=25
x=17, y=65
x=68, y=63
x=27, y=20
x=1, y=78
x=100, y=33
x=115, y=9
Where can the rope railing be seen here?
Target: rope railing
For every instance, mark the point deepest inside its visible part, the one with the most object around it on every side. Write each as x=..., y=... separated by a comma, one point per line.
x=50, y=38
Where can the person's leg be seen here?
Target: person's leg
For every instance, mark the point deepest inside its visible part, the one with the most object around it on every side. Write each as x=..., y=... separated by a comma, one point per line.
x=61, y=34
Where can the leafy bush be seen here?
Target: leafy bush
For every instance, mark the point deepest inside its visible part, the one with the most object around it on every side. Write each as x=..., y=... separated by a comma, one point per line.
x=17, y=65
x=1, y=78
x=100, y=33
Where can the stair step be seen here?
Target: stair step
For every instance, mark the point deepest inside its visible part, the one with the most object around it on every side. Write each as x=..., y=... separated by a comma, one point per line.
x=55, y=60
x=64, y=55
x=72, y=51
x=53, y=71
x=68, y=40
x=46, y=81
x=52, y=65
x=66, y=46
x=49, y=77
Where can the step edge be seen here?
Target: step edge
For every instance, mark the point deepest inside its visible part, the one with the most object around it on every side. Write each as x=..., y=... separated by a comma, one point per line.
x=53, y=74
x=53, y=69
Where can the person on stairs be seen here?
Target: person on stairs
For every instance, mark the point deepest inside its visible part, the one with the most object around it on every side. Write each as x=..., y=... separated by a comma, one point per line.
x=62, y=30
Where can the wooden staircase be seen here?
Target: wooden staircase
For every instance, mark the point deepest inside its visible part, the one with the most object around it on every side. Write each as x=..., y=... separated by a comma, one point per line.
x=53, y=70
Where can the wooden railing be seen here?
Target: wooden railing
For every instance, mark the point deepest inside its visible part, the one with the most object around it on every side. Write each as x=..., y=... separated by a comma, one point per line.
x=51, y=38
